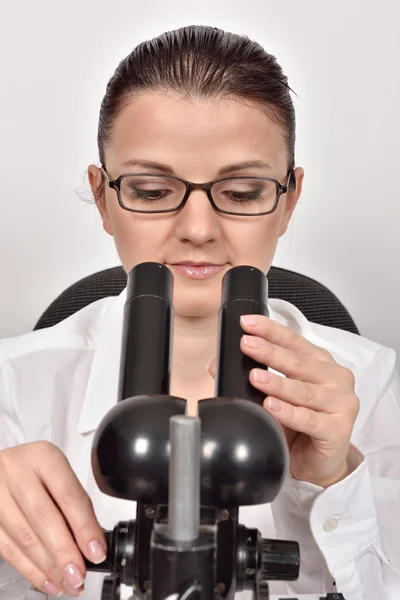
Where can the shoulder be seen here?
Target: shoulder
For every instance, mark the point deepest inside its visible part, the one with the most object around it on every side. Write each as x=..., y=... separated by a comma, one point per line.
x=353, y=351
x=372, y=364
x=76, y=333
x=44, y=375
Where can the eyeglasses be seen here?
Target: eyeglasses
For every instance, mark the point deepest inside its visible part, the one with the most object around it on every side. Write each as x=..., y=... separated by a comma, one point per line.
x=243, y=196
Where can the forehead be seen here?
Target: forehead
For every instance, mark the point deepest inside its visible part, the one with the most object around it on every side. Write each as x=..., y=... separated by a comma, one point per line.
x=164, y=126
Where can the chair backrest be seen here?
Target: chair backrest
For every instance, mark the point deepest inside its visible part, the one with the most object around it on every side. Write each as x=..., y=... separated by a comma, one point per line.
x=312, y=298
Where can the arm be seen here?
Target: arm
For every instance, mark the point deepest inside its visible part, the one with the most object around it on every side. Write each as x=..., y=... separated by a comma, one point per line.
x=47, y=521
x=12, y=584
x=350, y=531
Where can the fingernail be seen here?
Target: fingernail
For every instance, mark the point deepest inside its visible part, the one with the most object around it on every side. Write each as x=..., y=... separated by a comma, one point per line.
x=73, y=575
x=96, y=552
x=250, y=319
x=71, y=591
x=51, y=589
x=262, y=376
x=251, y=341
x=274, y=405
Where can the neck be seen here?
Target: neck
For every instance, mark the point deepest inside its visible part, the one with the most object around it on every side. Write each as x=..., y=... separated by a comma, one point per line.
x=194, y=346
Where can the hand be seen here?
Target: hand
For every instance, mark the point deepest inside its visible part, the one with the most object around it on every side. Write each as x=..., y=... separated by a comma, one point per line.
x=315, y=403
x=43, y=508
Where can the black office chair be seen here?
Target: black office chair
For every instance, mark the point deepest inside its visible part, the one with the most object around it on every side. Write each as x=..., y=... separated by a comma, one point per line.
x=313, y=299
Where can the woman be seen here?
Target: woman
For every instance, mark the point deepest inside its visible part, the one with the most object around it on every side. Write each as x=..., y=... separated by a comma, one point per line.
x=201, y=105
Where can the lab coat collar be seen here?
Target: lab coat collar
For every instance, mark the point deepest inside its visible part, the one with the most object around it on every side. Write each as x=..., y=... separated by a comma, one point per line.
x=102, y=387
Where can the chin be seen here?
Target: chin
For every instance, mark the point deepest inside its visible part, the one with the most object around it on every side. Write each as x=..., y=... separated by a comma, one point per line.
x=196, y=311
x=198, y=302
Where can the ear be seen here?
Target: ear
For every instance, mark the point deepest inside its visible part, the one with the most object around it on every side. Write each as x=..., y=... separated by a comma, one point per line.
x=97, y=184
x=291, y=200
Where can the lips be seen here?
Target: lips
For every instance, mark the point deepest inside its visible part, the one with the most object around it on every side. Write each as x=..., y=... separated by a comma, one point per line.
x=197, y=270
x=205, y=263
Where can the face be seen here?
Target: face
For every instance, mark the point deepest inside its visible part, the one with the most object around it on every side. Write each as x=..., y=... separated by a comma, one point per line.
x=196, y=139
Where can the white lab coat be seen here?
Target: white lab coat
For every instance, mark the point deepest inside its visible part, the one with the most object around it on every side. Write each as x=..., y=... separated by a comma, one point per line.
x=56, y=384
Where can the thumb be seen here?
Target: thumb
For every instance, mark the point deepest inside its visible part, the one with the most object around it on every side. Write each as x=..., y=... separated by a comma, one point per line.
x=212, y=367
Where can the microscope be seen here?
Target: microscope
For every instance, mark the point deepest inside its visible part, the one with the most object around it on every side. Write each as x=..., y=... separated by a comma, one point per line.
x=189, y=475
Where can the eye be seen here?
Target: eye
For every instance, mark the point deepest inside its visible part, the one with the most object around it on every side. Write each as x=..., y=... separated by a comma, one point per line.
x=241, y=191
x=249, y=195
x=138, y=190
x=243, y=197
x=148, y=194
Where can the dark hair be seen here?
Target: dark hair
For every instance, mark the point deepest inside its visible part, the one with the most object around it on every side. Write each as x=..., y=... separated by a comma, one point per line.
x=204, y=62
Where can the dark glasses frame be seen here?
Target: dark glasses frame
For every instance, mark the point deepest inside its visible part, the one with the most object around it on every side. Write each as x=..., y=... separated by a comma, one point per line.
x=115, y=184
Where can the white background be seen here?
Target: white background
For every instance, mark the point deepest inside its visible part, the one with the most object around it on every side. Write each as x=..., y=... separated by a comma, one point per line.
x=342, y=59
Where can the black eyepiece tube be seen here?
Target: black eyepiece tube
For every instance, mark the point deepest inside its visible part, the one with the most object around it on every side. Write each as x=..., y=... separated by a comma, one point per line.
x=146, y=351
x=244, y=291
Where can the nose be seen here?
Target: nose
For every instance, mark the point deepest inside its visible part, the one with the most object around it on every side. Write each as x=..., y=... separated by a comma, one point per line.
x=197, y=222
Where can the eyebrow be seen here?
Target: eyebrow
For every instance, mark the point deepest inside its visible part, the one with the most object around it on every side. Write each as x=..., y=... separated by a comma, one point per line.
x=247, y=164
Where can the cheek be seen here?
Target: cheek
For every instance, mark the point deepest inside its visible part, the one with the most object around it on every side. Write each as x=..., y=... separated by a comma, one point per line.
x=135, y=240
x=255, y=244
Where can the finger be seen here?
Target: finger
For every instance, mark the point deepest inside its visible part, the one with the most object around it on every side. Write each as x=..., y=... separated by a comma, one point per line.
x=14, y=556
x=30, y=489
x=17, y=528
x=315, y=424
x=282, y=336
x=297, y=366
x=49, y=525
x=298, y=393
x=212, y=367
x=75, y=505
x=71, y=591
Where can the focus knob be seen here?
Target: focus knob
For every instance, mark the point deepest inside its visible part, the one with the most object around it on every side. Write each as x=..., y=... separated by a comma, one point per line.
x=280, y=560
